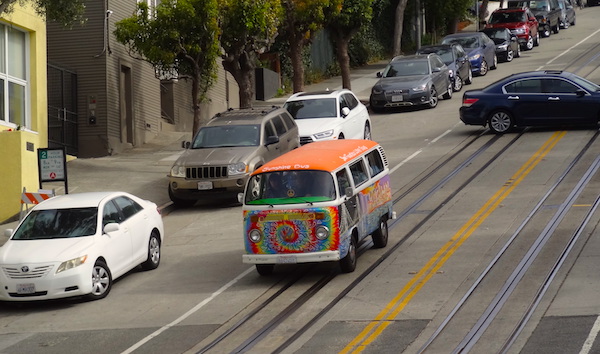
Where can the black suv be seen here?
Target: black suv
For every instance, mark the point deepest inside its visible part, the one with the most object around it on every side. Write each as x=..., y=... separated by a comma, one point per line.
x=547, y=12
x=227, y=149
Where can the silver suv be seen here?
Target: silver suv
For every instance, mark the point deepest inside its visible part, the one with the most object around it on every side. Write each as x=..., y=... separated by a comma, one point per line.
x=227, y=149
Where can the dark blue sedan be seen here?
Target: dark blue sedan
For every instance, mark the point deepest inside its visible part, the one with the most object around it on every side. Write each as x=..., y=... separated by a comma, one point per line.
x=535, y=98
x=480, y=49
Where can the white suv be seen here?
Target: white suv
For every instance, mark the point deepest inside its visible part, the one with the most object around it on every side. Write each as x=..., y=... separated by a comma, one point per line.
x=329, y=115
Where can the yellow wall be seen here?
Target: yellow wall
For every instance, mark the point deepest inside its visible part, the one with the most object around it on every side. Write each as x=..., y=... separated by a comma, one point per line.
x=18, y=165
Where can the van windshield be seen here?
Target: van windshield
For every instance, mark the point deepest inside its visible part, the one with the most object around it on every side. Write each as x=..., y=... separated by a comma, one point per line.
x=290, y=187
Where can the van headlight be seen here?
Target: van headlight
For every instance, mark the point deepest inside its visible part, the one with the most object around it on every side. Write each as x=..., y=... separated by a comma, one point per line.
x=178, y=171
x=254, y=235
x=70, y=264
x=236, y=169
x=322, y=232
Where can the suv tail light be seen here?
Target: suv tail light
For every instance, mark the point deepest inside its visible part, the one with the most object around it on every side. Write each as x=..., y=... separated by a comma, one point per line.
x=467, y=102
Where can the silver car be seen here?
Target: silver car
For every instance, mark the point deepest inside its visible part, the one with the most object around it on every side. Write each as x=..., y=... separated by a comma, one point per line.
x=223, y=153
x=412, y=81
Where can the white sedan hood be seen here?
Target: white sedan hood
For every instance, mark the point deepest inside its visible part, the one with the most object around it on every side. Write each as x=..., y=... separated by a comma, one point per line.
x=44, y=251
x=311, y=126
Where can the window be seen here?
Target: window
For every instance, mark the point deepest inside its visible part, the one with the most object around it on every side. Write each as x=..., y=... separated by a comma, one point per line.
x=558, y=86
x=14, y=88
x=375, y=162
x=111, y=214
x=289, y=121
x=279, y=126
x=343, y=181
x=151, y=6
x=359, y=174
x=127, y=206
x=524, y=86
x=269, y=131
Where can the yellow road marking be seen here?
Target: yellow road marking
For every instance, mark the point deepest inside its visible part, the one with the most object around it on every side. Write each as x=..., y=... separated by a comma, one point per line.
x=399, y=302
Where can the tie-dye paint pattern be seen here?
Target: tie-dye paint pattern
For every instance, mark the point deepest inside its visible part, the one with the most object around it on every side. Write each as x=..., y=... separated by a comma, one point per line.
x=292, y=231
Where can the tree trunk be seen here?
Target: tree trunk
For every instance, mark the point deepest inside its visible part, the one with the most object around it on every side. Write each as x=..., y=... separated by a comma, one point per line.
x=344, y=60
x=195, y=102
x=242, y=67
x=246, y=88
x=296, y=45
x=398, y=25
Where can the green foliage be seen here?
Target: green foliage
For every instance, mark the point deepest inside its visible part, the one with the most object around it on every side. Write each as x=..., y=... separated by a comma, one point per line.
x=65, y=12
x=365, y=47
x=180, y=40
x=352, y=16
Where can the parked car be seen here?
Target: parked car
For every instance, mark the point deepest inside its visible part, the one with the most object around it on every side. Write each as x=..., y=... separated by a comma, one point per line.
x=507, y=45
x=329, y=115
x=568, y=15
x=547, y=12
x=521, y=22
x=480, y=49
x=413, y=80
x=227, y=149
x=535, y=98
x=455, y=57
x=78, y=244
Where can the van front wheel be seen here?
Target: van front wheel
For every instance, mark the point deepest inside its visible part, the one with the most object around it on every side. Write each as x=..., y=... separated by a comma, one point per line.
x=380, y=236
x=264, y=269
x=348, y=263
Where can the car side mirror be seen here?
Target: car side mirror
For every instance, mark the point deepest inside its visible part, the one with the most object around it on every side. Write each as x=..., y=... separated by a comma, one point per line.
x=379, y=74
x=436, y=70
x=111, y=227
x=345, y=112
x=186, y=144
x=273, y=139
x=348, y=192
x=580, y=93
x=8, y=232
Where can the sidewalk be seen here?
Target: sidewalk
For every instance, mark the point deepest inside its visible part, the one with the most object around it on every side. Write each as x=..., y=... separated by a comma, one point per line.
x=143, y=170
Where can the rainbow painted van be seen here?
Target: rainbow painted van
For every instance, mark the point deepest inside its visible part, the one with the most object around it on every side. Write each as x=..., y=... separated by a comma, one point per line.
x=316, y=203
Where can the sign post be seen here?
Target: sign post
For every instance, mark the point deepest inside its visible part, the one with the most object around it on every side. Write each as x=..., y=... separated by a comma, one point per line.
x=52, y=166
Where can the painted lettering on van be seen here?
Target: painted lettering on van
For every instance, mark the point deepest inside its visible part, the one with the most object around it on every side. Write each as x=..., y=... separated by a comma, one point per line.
x=378, y=194
x=352, y=154
x=277, y=168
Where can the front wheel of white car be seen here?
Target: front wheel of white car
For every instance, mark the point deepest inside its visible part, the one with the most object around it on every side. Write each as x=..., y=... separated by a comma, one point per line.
x=101, y=281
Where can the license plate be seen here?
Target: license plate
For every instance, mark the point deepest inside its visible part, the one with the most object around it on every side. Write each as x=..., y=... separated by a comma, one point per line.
x=205, y=185
x=397, y=98
x=288, y=258
x=28, y=288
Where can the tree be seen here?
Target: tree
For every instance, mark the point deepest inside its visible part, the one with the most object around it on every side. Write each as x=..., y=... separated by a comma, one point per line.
x=303, y=18
x=398, y=27
x=63, y=12
x=180, y=40
x=248, y=28
x=343, y=25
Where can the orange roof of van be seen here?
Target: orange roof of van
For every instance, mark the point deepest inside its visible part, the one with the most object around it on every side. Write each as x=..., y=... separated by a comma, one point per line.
x=321, y=155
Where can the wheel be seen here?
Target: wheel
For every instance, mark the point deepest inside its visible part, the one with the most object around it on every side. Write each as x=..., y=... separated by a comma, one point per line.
x=469, y=79
x=546, y=31
x=536, y=40
x=500, y=122
x=265, y=269
x=153, y=253
x=181, y=203
x=380, y=236
x=373, y=107
x=556, y=28
x=348, y=263
x=458, y=83
x=483, y=69
x=101, y=281
x=367, y=132
x=573, y=22
x=518, y=53
x=433, y=98
x=495, y=65
x=510, y=55
x=529, y=45
x=566, y=24
x=448, y=94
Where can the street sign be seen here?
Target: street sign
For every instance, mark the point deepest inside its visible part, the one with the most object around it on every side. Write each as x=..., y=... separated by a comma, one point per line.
x=52, y=166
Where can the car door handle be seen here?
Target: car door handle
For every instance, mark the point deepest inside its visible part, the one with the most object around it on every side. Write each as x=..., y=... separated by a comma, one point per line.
x=553, y=98
x=513, y=97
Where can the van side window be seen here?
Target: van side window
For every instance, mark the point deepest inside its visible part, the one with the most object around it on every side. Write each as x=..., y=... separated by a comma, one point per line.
x=343, y=181
x=375, y=162
x=359, y=173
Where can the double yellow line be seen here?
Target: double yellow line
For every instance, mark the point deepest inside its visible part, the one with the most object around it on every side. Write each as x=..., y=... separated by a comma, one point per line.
x=399, y=302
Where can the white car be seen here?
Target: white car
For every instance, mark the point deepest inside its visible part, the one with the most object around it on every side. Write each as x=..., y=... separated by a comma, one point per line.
x=77, y=244
x=329, y=115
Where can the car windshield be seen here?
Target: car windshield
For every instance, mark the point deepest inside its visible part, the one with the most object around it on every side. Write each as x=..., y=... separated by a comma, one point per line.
x=444, y=53
x=290, y=187
x=58, y=223
x=507, y=17
x=313, y=108
x=227, y=136
x=406, y=68
x=465, y=42
x=496, y=34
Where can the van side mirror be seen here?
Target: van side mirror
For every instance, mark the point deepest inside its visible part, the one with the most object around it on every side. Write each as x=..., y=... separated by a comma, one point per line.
x=273, y=139
x=348, y=192
x=580, y=93
x=186, y=144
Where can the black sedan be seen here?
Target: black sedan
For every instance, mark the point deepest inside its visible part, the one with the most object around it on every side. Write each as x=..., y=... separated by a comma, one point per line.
x=455, y=57
x=507, y=45
x=535, y=98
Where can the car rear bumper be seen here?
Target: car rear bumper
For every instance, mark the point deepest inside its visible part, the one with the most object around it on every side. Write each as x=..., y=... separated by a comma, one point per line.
x=472, y=116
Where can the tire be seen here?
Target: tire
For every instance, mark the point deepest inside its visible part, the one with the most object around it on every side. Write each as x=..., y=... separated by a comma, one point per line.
x=495, y=65
x=458, y=84
x=483, y=68
x=500, y=122
x=529, y=44
x=367, y=135
x=181, y=203
x=566, y=24
x=510, y=55
x=518, y=53
x=153, y=253
x=348, y=263
x=546, y=31
x=433, y=99
x=101, y=281
x=556, y=28
x=265, y=269
x=536, y=40
x=374, y=108
x=469, y=79
x=380, y=236
x=573, y=22
x=449, y=90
